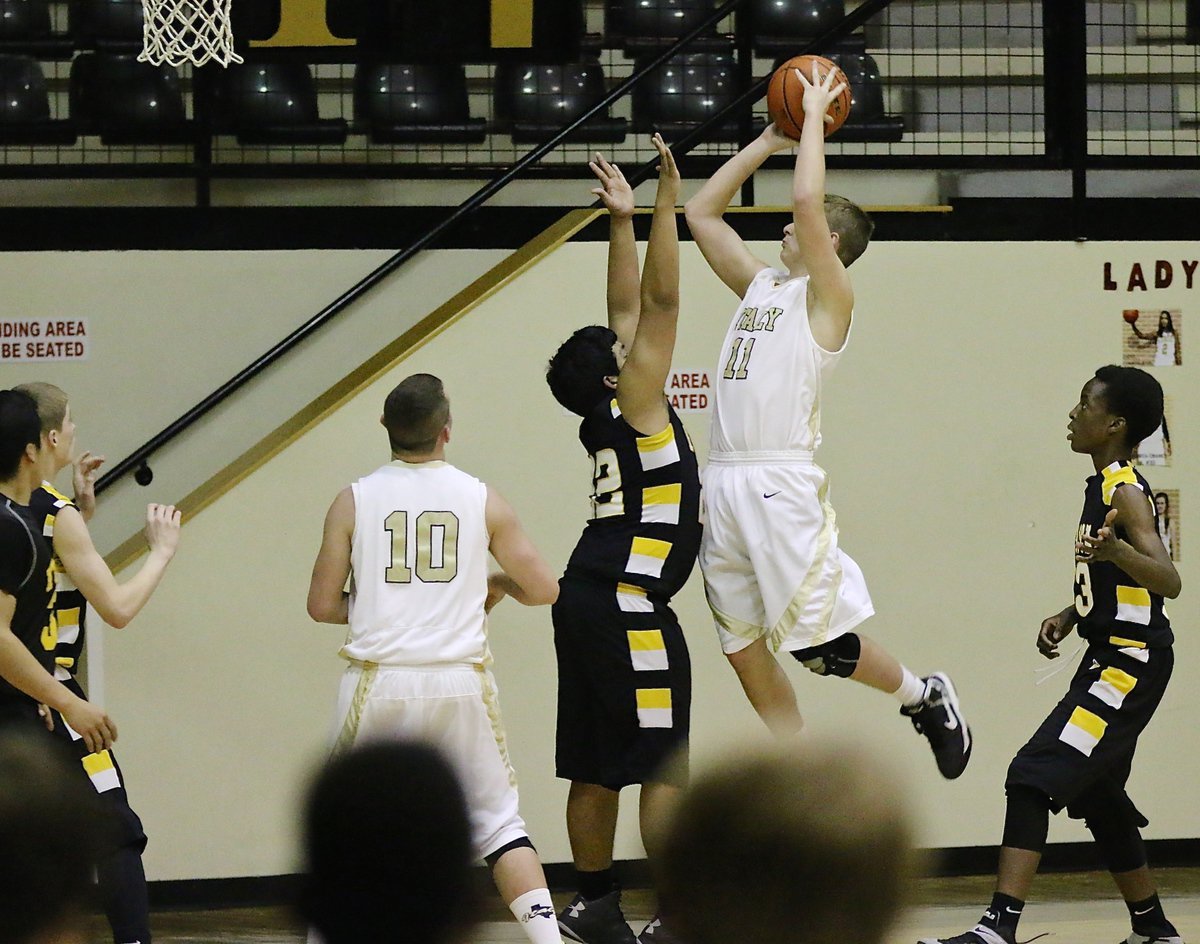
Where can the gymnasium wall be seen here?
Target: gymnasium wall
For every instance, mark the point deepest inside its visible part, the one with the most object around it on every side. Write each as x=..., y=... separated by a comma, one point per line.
x=955, y=489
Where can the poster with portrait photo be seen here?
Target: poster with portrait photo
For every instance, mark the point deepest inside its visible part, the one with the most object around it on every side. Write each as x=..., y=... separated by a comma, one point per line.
x=1166, y=508
x=1156, y=449
x=1152, y=337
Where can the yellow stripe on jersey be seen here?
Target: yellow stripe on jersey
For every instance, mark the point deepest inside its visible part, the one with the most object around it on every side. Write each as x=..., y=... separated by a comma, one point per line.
x=1122, y=643
x=631, y=599
x=1133, y=605
x=659, y=450
x=60, y=498
x=647, y=650
x=616, y=410
x=654, y=707
x=1113, y=686
x=1114, y=475
x=660, y=504
x=1083, y=731
x=102, y=771
x=647, y=556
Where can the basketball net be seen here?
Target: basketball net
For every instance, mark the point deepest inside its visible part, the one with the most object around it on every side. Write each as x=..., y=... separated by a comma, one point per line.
x=179, y=31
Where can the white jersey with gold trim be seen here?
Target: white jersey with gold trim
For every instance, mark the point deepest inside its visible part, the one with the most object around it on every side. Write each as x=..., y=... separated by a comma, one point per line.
x=771, y=372
x=419, y=558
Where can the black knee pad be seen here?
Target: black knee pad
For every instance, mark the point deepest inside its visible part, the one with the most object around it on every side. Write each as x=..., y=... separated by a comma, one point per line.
x=1026, y=818
x=1114, y=823
x=837, y=657
x=492, y=858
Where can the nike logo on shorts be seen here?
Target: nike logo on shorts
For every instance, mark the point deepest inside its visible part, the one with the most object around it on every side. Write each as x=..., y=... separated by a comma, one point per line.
x=771, y=494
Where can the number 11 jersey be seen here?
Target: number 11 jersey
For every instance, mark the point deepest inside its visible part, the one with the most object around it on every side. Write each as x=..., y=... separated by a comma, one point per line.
x=771, y=372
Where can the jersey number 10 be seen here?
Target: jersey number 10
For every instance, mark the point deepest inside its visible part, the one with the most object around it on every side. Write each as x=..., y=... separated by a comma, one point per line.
x=436, y=547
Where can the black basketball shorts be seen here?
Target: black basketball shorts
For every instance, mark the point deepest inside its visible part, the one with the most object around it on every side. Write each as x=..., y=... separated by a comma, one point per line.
x=624, y=689
x=1084, y=749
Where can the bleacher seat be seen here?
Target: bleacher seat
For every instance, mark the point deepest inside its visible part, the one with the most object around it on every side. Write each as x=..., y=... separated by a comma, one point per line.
x=533, y=102
x=685, y=91
x=128, y=102
x=273, y=103
x=640, y=25
x=107, y=25
x=411, y=104
x=868, y=119
x=25, y=27
x=25, y=105
x=781, y=27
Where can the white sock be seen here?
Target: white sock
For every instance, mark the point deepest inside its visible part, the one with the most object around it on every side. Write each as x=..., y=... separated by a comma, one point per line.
x=535, y=911
x=911, y=689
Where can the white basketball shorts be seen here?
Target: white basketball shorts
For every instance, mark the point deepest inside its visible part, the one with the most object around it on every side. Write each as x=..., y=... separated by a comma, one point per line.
x=456, y=709
x=770, y=557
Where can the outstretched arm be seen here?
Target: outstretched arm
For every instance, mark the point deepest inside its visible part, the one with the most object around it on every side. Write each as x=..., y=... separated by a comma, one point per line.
x=640, y=388
x=328, y=601
x=617, y=196
x=526, y=577
x=117, y=603
x=722, y=247
x=831, y=300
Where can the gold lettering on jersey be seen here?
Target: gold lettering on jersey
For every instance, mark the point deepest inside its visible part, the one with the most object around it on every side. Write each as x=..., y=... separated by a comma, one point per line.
x=751, y=320
x=437, y=546
x=302, y=23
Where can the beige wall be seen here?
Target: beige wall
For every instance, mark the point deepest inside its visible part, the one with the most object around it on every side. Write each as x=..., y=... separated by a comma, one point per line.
x=955, y=488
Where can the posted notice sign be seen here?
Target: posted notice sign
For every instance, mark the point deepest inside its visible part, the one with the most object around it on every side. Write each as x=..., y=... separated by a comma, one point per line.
x=689, y=391
x=44, y=339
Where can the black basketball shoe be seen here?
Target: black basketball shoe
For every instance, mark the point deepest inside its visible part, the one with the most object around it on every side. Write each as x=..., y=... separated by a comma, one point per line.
x=980, y=934
x=599, y=921
x=938, y=717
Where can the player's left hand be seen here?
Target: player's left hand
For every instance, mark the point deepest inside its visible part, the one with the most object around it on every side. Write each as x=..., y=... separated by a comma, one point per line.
x=668, y=172
x=495, y=592
x=83, y=480
x=614, y=190
x=47, y=716
x=1102, y=546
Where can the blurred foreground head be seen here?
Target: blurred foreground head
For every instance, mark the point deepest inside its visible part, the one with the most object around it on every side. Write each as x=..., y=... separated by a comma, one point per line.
x=807, y=846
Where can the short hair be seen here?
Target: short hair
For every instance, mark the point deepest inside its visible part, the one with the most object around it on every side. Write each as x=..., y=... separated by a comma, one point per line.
x=852, y=224
x=19, y=427
x=52, y=403
x=787, y=846
x=415, y=413
x=1135, y=395
x=577, y=370
x=387, y=840
x=50, y=831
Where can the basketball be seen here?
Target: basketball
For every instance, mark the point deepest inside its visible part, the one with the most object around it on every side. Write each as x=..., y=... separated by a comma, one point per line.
x=785, y=96
x=1130, y=315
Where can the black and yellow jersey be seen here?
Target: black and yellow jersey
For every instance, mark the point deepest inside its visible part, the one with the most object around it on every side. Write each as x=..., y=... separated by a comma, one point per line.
x=70, y=608
x=645, y=527
x=27, y=574
x=1114, y=608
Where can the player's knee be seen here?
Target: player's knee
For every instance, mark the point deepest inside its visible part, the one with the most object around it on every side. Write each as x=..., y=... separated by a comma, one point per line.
x=837, y=657
x=493, y=857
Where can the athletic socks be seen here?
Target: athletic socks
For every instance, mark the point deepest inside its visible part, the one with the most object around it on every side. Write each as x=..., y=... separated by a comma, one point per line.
x=1148, y=919
x=911, y=690
x=593, y=885
x=535, y=912
x=1003, y=914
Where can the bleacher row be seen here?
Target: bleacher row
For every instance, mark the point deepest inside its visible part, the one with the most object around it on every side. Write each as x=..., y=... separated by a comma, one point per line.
x=92, y=52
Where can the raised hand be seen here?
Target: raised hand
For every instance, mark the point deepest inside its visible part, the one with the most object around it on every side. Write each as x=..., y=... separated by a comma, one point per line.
x=775, y=139
x=614, y=190
x=819, y=92
x=668, y=172
x=162, y=529
x=83, y=480
x=1102, y=545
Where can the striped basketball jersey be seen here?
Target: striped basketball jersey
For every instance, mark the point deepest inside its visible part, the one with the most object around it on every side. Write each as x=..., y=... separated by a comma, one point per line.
x=70, y=608
x=420, y=565
x=27, y=574
x=1113, y=608
x=771, y=372
x=645, y=526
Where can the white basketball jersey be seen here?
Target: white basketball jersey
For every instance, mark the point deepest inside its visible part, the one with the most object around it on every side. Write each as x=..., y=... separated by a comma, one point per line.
x=771, y=372
x=419, y=559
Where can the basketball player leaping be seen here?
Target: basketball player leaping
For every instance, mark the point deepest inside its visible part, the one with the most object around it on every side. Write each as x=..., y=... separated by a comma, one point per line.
x=624, y=675
x=774, y=574
x=415, y=535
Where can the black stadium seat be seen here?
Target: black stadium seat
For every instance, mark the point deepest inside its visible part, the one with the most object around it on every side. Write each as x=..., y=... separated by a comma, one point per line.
x=107, y=25
x=273, y=103
x=410, y=104
x=25, y=27
x=25, y=105
x=128, y=102
x=685, y=91
x=868, y=119
x=782, y=27
x=640, y=25
x=532, y=102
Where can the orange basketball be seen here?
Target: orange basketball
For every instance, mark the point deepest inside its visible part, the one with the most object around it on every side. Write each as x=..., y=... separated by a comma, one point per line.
x=1130, y=315
x=785, y=96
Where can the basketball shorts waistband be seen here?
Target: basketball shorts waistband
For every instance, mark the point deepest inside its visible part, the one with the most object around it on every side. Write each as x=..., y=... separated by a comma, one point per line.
x=783, y=457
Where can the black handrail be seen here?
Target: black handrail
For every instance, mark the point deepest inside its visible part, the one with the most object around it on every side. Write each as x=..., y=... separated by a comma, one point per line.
x=137, y=460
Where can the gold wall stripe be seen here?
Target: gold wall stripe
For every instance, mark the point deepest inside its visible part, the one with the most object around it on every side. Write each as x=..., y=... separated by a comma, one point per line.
x=512, y=24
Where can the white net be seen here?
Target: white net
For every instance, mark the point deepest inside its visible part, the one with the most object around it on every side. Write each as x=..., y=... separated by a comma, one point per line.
x=195, y=31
